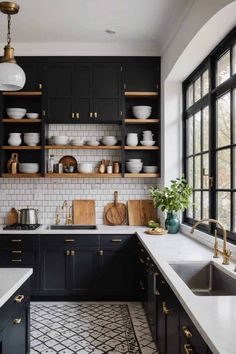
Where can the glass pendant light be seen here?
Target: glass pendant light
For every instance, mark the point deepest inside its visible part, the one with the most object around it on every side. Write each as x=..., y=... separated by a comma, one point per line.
x=12, y=76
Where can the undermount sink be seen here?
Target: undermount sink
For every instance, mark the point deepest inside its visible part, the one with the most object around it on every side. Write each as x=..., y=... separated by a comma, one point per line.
x=205, y=279
x=72, y=227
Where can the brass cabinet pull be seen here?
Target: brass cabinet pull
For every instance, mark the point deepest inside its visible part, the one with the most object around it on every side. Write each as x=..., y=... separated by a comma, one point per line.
x=188, y=349
x=18, y=252
x=19, y=298
x=141, y=260
x=72, y=253
x=40, y=86
x=141, y=285
x=16, y=260
x=165, y=309
x=77, y=115
x=95, y=114
x=44, y=113
x=156, y=292
x=116, y=240
x=187, y=332
x=67, y=252
x=19, y=240
x=101, y=253
x=91, y=114
x=17, y=321
x=72, y=115
x=69, y=240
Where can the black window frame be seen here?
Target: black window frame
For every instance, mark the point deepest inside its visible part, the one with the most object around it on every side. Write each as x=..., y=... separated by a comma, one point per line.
x=210, y=99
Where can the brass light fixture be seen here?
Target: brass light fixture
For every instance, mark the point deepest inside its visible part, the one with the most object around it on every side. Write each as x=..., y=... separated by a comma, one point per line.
x=12, y=76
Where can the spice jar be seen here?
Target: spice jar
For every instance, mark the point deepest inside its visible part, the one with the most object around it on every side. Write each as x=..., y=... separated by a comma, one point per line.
x=116, y=167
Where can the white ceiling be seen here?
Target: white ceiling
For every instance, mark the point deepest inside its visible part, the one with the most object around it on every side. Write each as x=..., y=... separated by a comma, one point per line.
x=136, y=21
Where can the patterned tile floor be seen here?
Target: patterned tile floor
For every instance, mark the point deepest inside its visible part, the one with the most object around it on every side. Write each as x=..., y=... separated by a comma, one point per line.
x=96, y=328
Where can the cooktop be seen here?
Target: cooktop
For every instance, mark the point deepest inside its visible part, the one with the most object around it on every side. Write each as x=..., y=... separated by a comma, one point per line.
x=21, y=227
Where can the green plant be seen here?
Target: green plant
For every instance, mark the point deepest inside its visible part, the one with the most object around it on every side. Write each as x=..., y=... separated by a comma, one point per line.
x=173, y=198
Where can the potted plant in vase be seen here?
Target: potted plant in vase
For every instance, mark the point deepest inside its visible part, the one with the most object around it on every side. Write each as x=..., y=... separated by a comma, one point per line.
x=172, y=199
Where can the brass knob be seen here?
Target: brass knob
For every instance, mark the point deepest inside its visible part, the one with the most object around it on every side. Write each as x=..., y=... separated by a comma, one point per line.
x=165, y=309
x=77, y=115
x=17, y=321
x=188, y=349
x=72, y=115
x=187, y=332
x=101, y=252
x=40, y=86
x=67, y=252
x=91, y=114
x=19, y=298
x=95, y=115
x=72, y=253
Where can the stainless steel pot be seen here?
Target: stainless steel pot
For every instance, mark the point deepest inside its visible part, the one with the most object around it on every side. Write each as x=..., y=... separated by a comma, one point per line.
x=28, y=216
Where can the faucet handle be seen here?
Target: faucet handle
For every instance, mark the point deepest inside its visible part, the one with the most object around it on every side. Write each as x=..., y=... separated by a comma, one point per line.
x=226, y=256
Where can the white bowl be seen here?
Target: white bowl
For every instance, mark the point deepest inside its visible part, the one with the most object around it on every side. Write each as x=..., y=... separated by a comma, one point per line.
x=77, y=142
x=31, y=142
x=142, y=112
x=60, y=140
x=28, y=167
x=92, y=142
x=85, y=167
x=31, y=134
x=134, y=170
x=16, y=113
x=135, y=160
x=147, y=142
x=150, y=169
x=32, y=115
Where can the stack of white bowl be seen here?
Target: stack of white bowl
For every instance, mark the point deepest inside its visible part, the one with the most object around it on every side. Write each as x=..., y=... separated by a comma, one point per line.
x=28, y=167
x=109, y=140
x=31, y=139
x=92, y=142
x=59, y=140
x=77, y=142
x=16, y=113
x=142, y=112
x=134, y=165
x=147, y=138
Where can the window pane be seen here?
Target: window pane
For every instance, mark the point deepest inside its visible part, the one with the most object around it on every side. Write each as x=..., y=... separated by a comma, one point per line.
x=197, y=132
x=190, y=171
x=223, y=169
x=189, y=97
x=197, y=174
x=197, y=205
x=234, y=216
x=190, y=209
x=205, y=170
x=197, y=90
x=234, y=59
x=205, y=128
x=234, y=115
x=205, y=82
x=223, y=201
x=223, y=120
x=205, y=211
x=190, y=136
x=223, y=68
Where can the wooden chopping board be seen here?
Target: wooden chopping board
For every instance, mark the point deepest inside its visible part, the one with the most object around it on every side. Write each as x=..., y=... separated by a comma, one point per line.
x=84, y=212
x=12, y=217
x=140, y=212
x=115, y=213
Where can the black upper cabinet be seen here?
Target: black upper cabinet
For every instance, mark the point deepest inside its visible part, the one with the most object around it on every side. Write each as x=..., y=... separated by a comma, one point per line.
x=107, y=92
x=82, y=93
x=141, y=77
x=34, y=75
x=59, y=93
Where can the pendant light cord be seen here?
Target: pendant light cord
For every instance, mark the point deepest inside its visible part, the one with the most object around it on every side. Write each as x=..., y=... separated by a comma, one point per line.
x=8, y=29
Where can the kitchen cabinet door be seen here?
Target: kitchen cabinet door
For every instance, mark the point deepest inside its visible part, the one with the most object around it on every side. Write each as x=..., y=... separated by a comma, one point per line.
x=152, y=301
x=15, y=338
x=59, y=93
x=107, y=93
x=82, y=93
x=34, y=75
x=84, y=270
x=55, y=272
x=141, y=76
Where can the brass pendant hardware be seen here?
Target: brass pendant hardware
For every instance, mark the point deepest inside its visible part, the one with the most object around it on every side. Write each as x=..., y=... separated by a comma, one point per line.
x=40, y=86
x=72, y=253
x=188, y=349
x=67, y=252
x=9, y=8
x=17, y=321
x=19, y=298
x=187, y=332
x=95, y=114
x=68, y=240
x=77, y=115
x=91, y=114
x=72, y=115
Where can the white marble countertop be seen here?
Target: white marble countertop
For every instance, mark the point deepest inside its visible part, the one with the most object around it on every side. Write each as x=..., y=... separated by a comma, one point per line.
x=213, y=316
x=11, y=280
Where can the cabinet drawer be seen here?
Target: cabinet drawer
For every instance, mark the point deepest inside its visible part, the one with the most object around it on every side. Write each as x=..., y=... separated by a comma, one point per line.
x=116, y=241
x=15, y=304
x=17, y=257
x=70, y=240
x=20, y=241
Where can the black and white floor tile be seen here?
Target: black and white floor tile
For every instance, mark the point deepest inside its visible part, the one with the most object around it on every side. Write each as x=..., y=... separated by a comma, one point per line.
x=96, y=328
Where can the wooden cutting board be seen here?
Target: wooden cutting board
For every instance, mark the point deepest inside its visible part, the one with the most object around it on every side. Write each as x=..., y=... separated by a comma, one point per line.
x=115, y=213
x=12, y=217
x=140, y=212
x=84, y=212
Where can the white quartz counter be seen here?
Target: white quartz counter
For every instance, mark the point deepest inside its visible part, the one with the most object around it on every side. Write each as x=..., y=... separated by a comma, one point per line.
x=213, y=316
x=11, y=279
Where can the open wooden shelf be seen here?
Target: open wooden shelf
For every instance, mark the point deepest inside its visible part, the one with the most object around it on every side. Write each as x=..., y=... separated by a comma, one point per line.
x=138, y=94
x=22, y=175
x=83, y=175
x=141, y=121
x=22, y=93
x=142, y=148
x=21, y=147
x=82, y=147
x=23, y=120
x=143, y=175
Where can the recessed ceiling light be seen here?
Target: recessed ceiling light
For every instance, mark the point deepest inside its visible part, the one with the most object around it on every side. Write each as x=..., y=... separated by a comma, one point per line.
x=110, y=31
